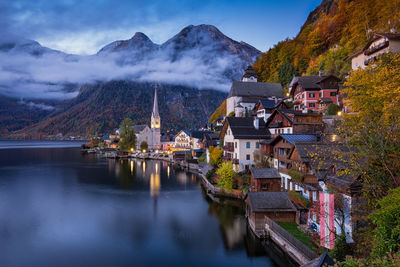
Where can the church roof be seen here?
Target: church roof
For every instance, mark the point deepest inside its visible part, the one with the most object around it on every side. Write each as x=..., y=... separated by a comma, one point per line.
x=255, y=89
x=155, y=105
x=139, y=128
x=250, y=72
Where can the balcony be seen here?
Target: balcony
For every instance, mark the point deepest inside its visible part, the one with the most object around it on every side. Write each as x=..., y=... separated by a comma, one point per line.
x=235, y=161
x=227, y=157
x=229, y=148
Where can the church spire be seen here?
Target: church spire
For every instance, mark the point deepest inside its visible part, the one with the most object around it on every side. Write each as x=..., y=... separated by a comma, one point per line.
x=155, y=116
x=155, y=105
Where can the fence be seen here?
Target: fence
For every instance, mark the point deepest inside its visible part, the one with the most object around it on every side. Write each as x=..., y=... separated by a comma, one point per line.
x=306, y=251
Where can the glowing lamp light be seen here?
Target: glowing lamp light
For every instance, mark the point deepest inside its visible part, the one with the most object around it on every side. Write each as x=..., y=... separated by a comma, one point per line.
x=131, y=149
x=144, y=150
x=339, y=113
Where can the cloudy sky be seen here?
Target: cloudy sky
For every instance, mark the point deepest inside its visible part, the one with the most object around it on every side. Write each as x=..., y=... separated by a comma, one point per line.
x=84, y=26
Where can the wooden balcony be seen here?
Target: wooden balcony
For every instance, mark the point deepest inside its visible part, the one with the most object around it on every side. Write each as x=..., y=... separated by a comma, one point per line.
x=228, y=148
x=376, y=48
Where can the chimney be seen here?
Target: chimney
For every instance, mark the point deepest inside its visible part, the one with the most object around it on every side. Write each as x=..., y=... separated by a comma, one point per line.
x=276, y=100
x=320, y=73
x=256, y=123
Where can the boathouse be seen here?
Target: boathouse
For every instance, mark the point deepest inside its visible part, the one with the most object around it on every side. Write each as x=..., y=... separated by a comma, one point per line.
x=275, y=205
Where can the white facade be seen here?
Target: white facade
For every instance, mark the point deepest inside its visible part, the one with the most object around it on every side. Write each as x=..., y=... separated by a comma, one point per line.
x=182, y=140
x=243, y=150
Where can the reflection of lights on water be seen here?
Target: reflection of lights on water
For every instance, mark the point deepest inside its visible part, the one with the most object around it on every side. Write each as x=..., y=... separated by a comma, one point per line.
x=144, y=166
x=181, y=177
x=131, y=166
x=168, y=170
x=156, y=167
x=155, y=184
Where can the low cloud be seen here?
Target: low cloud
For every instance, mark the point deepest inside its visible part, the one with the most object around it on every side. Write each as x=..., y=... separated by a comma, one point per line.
x=50, y=74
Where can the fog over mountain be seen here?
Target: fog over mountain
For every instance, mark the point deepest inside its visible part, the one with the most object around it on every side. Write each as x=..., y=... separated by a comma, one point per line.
x=199, y=56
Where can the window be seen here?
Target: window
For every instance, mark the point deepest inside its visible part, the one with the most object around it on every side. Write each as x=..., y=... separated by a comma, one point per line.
x=333, y=93
x=257, y=145
x=235, y=155
x=248, y=157
x=235, y=144
x=281, y=151
x=247, y=144
x=282, y=164
x=311, y=105
x=311, y=95
x=319, y=94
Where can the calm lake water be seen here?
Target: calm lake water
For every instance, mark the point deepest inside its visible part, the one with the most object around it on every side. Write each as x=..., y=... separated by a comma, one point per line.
x=61, y=208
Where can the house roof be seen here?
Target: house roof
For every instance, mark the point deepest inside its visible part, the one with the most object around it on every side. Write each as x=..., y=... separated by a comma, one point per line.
x=263, y=173
x=198, y=134
x=256, y=89
x=376, y=36
x=309, y=82
x=269, y=103
x=291, y=114
x=270, y=201
x=243, y=128
x=292, y=138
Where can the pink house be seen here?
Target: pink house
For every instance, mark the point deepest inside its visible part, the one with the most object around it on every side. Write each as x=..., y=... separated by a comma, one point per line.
x=309, y=92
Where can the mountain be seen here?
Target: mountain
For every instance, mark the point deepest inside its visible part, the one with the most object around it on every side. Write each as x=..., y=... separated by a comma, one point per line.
x=99, y=108
x=193, y=69
x=332, y=32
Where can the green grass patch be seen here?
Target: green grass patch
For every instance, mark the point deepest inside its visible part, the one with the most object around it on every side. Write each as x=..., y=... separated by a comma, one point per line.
x=292, y=229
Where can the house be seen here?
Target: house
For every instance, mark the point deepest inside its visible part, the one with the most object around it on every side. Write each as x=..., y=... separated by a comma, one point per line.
x=143, y=134
x=265, y=107
x=308, y=90
x=241, y=138
x=248, y=91
x=183, y=140
x=291, y=159
x=210, y=139
x=265, y=179
x=167, y=141
x=294, y=122
x=275, y=205
x=378, y=44
x=197, y=141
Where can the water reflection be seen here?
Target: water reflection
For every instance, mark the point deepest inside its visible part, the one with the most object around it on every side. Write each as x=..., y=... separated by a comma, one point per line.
x=59, y=208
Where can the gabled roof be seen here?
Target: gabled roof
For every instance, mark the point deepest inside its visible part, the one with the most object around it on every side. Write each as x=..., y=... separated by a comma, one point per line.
x=269, y=103
x=198, y=134
x=256, y=89
x=376, y=36
x=250, y=72
x=270, y=201
x=187, y=132
x=243, y=128
x=309, y=82
x=326, y=100
x=296, y=138
x=264, y=173
x=290, y=114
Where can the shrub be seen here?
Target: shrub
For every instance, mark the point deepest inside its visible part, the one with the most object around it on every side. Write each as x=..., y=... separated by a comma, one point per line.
x=226, y=174
x=296, y=175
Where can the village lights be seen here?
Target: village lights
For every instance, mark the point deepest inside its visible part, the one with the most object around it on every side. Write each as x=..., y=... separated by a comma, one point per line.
x=144, y=150
x=131, y=149
x=339, y=113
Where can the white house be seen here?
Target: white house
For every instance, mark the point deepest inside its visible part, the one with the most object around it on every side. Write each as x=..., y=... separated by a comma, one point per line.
x=242, y=137
x=183, y=140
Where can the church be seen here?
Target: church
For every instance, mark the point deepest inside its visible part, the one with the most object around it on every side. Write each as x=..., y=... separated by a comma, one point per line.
x=151, y=135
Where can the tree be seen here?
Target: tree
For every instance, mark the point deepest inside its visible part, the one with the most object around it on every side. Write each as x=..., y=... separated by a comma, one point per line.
x=332, y=110
x=127, y=134
x=231, y=114
x=285, y=73
x=144, y=146
x=225, y=175
x=387, y=225
x=215, y=155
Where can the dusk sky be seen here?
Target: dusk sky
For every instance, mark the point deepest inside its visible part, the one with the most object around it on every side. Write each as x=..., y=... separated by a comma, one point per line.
x=84, y=26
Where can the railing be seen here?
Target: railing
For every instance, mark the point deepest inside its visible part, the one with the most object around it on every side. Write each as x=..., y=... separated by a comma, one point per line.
x=228, y=148
x=306, y=251
x=226, y=158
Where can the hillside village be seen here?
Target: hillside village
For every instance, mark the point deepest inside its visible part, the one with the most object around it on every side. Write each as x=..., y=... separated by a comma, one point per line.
x=275, y=152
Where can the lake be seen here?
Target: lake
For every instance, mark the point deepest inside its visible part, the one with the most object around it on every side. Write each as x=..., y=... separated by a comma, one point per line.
x=59, y=207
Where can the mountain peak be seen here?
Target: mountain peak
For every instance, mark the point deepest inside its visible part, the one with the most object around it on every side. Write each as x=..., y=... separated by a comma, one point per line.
x=140, y=36
x=138, y=43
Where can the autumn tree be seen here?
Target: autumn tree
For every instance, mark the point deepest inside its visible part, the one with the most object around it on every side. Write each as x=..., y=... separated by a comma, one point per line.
x=215, y=155
x=225, y=175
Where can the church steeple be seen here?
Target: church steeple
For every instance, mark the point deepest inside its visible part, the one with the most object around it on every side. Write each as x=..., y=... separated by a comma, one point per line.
x=155, y=116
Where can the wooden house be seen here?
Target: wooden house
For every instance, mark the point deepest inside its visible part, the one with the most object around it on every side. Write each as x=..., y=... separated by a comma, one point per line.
x=294, y=122
x=275, y=205
x=265, y=179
